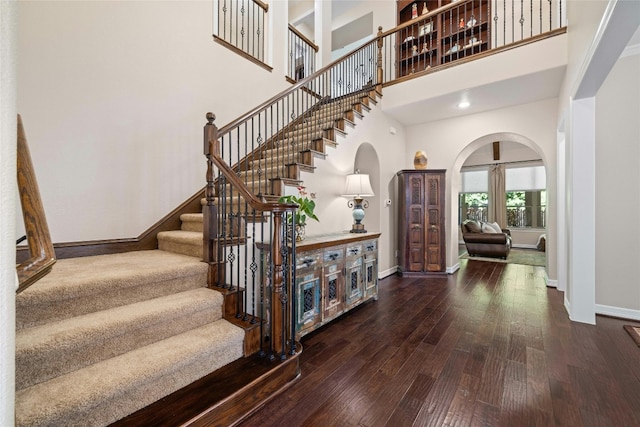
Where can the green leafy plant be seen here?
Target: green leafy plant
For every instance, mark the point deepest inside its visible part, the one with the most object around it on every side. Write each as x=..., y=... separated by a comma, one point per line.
x=306, y=206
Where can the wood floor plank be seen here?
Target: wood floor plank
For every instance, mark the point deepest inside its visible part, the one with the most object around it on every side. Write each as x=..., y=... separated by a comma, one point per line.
x=410, y=404
x=490, y=345
x=436, y=405
x=538, y=391
x=461, y=409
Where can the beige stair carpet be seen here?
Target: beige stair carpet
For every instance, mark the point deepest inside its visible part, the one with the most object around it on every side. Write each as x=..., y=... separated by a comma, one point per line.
x=56, y=348
x=83, y=285
x=112, y=389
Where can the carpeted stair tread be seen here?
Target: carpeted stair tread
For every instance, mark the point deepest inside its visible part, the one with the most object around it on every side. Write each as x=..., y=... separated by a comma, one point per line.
x=181, y=242
x=109, y=390
x=191, y=222
x=79, y=286
x=46, y=351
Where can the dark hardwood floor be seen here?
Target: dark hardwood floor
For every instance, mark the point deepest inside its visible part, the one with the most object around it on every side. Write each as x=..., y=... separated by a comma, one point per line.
x=488, y=346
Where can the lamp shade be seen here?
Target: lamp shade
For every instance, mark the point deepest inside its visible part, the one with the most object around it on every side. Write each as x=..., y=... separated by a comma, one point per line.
x=358, y=185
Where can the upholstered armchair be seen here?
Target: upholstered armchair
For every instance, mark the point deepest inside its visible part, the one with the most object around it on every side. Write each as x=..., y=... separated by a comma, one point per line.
x=484, y=239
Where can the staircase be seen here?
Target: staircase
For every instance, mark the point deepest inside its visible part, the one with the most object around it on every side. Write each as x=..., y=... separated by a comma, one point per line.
x=159, y=337
x=103, y=336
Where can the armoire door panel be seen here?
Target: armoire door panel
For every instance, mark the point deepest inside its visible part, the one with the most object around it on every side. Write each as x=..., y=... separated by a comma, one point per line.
x=434, y=262
x=416, y=261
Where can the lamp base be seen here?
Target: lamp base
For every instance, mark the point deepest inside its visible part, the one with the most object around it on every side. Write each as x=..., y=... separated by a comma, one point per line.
x=358, y=228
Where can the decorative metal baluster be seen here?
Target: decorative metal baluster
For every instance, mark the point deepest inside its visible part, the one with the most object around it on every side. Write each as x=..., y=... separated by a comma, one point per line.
x=224, y=20
x=292, y=291
x=522, y=19
x=560, y=6
x=284, y=297
x=550, y=16
x=513, y=18
x=531, y=18
x=226, y=192
x=504, y=22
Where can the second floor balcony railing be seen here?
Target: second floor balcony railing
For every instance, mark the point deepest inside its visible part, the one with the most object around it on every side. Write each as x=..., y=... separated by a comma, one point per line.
x=241, y=26
x=302, y=55
x=460, y=30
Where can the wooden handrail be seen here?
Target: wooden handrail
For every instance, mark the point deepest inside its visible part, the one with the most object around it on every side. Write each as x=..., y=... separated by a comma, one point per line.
x=263, y=5
x=213, y=153
x=299, y=84
x=304, y=38
x=35, y=223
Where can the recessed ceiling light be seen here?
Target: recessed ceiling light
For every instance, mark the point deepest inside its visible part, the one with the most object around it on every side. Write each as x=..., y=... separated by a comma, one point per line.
x=464, y=104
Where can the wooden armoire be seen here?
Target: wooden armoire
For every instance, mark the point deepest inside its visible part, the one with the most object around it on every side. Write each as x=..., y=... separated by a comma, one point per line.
x=421, y=239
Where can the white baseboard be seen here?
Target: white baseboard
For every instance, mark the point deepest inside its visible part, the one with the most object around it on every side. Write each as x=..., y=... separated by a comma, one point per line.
x=624, y=313
x=552, y=283
x=523, y=246
x=387, y=273
x=453, y=268
x=567, y=305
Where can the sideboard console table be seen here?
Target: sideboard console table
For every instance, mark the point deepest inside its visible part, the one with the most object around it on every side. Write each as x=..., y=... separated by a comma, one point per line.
x=334, y=273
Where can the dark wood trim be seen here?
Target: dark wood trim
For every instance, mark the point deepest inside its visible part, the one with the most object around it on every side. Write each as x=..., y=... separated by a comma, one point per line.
x=477, y=56
x=224, y=397
x=40, y=248
x=262, y=5
x=146, y=241
x=303, y=37
x=242, y=53
x=496, y=150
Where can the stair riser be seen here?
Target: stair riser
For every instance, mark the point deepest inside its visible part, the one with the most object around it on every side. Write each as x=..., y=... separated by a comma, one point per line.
x=316, y=126
x=255, y=188
x=71, y=351
x=277, y=161
x=188, y=249
x=235, y=205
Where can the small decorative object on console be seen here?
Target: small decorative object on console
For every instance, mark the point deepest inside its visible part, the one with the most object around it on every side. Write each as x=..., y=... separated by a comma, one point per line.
x=414, y=11
x=420, y=160
x=425, y=9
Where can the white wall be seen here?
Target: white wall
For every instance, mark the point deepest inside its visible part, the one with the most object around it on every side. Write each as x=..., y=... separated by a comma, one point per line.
x=583, y=20
x=618, y=188
x=113, y=96
x=8, y=197
x=449, y=142
x=598, y=32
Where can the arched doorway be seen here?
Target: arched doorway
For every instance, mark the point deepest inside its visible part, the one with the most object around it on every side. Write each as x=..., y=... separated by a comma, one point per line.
x=482, y=143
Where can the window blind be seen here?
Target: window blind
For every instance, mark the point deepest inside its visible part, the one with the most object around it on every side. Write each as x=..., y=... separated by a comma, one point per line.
x=527, y=178
x=475, y=181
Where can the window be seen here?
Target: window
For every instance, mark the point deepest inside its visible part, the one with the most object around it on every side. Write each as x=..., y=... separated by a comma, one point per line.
x=526, y=197
x=474, y=197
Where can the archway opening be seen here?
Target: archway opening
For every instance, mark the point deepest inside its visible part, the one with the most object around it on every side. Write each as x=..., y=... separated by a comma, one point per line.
x=510, y=150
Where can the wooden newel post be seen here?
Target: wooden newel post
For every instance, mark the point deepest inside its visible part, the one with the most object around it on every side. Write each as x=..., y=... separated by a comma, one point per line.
x=380, y=75
x=210, y=211
x=278, y=297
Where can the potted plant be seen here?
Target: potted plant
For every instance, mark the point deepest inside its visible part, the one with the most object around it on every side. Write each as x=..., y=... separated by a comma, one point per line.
x=306, y=207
